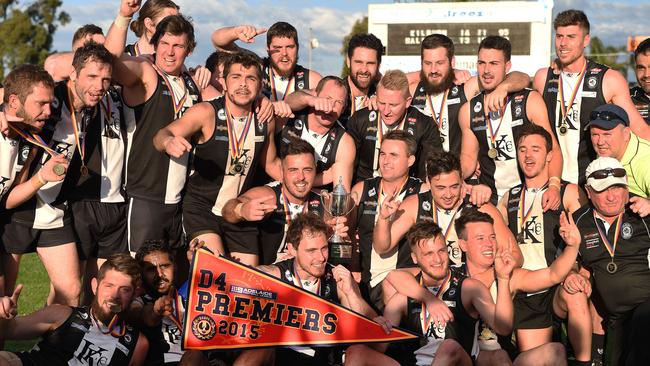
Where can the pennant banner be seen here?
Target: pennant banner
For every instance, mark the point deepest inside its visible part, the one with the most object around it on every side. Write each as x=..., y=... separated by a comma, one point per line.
x=232, y=306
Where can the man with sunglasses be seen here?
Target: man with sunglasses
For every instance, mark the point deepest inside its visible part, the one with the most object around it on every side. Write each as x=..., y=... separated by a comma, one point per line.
x=611, y=136
x=615, y=253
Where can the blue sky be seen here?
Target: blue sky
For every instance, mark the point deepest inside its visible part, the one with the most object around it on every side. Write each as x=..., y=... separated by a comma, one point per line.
x=330, y=21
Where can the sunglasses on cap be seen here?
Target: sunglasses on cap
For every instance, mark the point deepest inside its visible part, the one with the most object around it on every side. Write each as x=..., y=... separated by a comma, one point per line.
x=604, y=173
x=605, y=115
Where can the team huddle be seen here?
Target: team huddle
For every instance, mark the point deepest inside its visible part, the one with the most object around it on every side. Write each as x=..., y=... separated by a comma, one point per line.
x=503, y=224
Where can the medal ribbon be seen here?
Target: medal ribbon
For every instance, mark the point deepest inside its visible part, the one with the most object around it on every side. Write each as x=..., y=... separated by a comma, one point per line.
x=435, y=219
x=381, y=190
x=236, y=143
x=298, y=282
x=106, y=108
x=610, y=248
x=493, y=133
x=178, y=104
x=76, y=129
x=111, y=327
x=563, y=108
x=353, y=104
x=438, y=117
x=525, y=215
x=287, y=207
x=380, y=129
x=441, y=290
x=34, y=139
x=273, y=89
x=175, y=316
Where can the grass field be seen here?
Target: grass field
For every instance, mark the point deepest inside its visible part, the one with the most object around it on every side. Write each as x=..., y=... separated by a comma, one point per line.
x=37, y=284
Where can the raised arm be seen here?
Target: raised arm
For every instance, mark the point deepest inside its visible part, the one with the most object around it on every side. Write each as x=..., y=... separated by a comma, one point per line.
x=224, y=38
x=393, y=221
x=533, y=281
x=405, y=284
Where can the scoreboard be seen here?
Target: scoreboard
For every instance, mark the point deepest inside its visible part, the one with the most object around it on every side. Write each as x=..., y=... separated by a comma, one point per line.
x=401, y=27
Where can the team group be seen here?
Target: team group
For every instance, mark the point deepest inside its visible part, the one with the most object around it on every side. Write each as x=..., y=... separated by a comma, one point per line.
x=505, y=225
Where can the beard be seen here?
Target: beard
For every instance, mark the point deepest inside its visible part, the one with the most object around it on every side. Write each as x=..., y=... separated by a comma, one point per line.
x=358, y=85
x=433, y=88
x=99, y=313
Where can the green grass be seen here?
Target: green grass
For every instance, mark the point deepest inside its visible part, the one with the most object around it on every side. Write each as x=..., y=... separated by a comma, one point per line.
x=37, y=284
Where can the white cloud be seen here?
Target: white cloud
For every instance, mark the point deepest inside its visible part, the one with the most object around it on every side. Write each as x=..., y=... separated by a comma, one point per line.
x=328, y=25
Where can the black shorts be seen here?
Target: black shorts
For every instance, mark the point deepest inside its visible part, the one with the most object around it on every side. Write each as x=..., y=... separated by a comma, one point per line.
x=100, y=228
x=20, y=239
x=149, y=220
x=535, y=311
x=239, y=238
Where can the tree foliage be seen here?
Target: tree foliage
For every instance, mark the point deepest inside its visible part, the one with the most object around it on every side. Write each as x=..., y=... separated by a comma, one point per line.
x=359, y=27
x=607, y=55
x=27, y=30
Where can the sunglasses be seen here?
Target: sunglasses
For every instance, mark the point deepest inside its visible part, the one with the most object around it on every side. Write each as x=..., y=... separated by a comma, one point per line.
x=604, y=173
x=605, y=115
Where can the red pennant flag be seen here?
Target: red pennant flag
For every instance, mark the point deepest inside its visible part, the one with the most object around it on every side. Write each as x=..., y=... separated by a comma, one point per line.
x=233, y=306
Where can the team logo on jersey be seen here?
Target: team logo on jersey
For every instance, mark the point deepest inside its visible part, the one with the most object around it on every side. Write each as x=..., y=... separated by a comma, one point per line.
x=421, y=89
x=477, y=107
x=452, y=292
x=372, y=192
x=204, y=327
x=301, y=85
x=372, y=116
x=300, y=73
x=127, y=338
x=3, y=189
x=55, y=103
x=426, y=206
x=24, y=154
x=518, y=111
x=288, y=275
x=298, y=124
x=454, y=91
x=221, y=114
x=592, y=81
x=626, y=230
x=516, y=190
x=591, y=240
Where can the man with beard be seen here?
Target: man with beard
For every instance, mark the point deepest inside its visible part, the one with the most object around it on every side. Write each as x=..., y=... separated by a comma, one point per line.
x=445, y=342
x=396, y=156
x=540, y=242
x=230, y=142
x=368, y=127
x=335, y=148
x=573, y=88
x=161, y=309
x=442, y=205
x=282, y=74
x=488, y=138
x=435, y=94
x=75, y=130
x=88, y=336
x=25, y=110
x=159, y=92
x=275, y=205
x=641, y=93
x=59, y=64
x=363, y=61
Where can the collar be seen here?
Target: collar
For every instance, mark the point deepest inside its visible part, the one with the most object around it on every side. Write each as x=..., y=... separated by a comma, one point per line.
x=631, y=149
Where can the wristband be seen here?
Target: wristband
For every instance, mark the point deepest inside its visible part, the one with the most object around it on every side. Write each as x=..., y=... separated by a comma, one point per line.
x=553, y=184
x=122, y=22
x=555, y=179
x=40, y=180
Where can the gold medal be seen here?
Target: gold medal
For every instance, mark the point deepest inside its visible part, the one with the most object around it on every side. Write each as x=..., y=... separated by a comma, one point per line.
x=84, y=171
x=492, y=153
x=59, y=169
x=612, y=267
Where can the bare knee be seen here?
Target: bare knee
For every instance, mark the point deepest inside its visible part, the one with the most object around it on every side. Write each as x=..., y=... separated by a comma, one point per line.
x=193, y=358
x=451, y=352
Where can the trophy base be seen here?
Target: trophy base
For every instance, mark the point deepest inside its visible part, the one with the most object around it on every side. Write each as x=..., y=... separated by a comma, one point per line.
x=341, y=253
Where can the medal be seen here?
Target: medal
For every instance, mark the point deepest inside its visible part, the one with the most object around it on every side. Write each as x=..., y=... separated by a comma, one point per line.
x=59, y=169
x=236, y=143
x=563, y=130
x=612, y=267
x=442, y=140
x=274, y=92
x=611, y=249
x=79, y=134
x=84, y=170
x=564, y=108
x=438, y=118
x=492, y=153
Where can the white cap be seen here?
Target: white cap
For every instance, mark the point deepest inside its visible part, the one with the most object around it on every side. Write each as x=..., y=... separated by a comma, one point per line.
x=607, y=164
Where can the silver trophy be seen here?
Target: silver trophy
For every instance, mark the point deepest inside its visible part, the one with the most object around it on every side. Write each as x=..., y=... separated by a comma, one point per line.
x=338, y=203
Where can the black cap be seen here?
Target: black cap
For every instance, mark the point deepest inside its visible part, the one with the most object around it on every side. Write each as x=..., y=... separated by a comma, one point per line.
x=608, y=116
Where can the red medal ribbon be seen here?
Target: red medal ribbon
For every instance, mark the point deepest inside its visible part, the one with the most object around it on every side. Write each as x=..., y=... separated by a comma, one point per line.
x=522, y=206
x=236, y=143
x=493, y=133
x=610, y=248
x=563, y=108
x=76, y=129
x=273, y=89
x=441, y=290
x=178, y=104
x=34, y=139
x=435, y=219
x=298, y=282
x=438, y=117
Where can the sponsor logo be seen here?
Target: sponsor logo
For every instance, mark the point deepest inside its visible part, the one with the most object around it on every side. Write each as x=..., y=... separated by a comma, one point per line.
x=221, y=114
x=203, y=327
x=478, y=107
x=372, y=116
x=626, y=230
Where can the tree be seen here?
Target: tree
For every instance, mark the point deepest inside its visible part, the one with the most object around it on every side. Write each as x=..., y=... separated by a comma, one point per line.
x=359, y=27
x=607, y=55
x=27, y=31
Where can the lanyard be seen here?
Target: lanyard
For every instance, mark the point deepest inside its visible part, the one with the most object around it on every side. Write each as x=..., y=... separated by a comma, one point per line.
x=111, y=327
x=563, y=107
x=79, y=133
x=273, y=89
x=298, y=282
x=435, y=218
x=493, y=133
x=611, y=249
x=438, y=117
x=424, y=319
x=525, y=215
x=236, y=143
x=178, y=104
x=33, y=139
